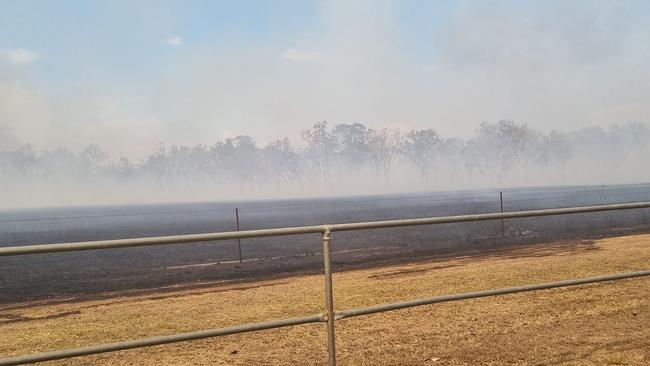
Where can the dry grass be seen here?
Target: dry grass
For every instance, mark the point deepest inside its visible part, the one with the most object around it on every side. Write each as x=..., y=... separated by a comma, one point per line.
x=604, y=324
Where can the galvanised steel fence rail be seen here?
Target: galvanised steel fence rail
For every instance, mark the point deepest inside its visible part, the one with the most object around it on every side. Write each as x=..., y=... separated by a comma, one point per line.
x=331, y=316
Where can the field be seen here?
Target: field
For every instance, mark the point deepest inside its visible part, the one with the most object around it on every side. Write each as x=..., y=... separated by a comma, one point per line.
x=602, y=324
x=95, y=272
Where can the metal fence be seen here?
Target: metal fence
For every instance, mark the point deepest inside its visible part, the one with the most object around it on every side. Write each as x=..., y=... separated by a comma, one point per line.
x=331, y=315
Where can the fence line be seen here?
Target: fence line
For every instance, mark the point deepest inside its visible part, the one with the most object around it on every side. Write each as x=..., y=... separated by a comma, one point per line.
x=297, y=230
x=316, y=318
x=154, y=341
x=430, y=196
x=331, y=316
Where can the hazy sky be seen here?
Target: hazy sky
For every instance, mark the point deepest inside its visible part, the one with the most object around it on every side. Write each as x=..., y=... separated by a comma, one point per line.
x=128, y=75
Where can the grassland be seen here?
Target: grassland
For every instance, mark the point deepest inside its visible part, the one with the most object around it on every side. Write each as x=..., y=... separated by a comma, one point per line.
x=602, y=324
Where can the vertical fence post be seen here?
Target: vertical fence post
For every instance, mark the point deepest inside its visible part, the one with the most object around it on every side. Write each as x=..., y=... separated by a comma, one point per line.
x=238, y=239
x=502, y=224
x=329, y=297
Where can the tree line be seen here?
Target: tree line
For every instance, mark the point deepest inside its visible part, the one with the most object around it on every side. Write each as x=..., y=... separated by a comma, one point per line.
x=499, y=153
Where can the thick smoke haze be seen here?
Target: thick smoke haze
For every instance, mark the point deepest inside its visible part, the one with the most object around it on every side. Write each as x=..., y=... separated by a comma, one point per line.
x=161, y=95
x=343, y=159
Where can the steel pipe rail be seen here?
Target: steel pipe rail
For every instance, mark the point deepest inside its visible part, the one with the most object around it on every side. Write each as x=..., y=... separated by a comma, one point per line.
x=486, y=217
x=494, y=292
x=182, y=337
x=156, y=240
x=193, y=238
x=154, y=341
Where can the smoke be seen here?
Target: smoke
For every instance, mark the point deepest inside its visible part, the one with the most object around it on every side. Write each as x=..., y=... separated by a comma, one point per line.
x=555, y=65
x=344, y=159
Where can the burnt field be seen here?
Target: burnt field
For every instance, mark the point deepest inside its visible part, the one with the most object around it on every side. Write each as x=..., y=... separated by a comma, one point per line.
x=93, y=273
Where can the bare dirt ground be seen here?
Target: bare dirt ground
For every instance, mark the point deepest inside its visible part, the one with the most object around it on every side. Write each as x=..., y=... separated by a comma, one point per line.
x=601, y=324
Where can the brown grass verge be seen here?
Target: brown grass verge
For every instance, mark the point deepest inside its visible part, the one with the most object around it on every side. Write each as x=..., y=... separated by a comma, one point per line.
x=603, y=324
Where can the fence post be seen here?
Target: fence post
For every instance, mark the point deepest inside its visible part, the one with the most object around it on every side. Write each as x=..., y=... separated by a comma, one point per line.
x=502, y=224
x=238, y=239
x=329, y=297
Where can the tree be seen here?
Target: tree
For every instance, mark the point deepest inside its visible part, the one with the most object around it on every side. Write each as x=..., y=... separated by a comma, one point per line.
x=282, y=162
x=502, y=146
x=452, y=152
x=124, y=170
x=421, y=148
x=93, y=157
x=384, y=146
x=554, y=149
x=352, y=144
x=321, y=146
x=19, y=164
x=238, y=158
x=156, y=166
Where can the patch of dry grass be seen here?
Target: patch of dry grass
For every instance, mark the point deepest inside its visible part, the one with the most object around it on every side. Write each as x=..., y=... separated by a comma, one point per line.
x=587, y=325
